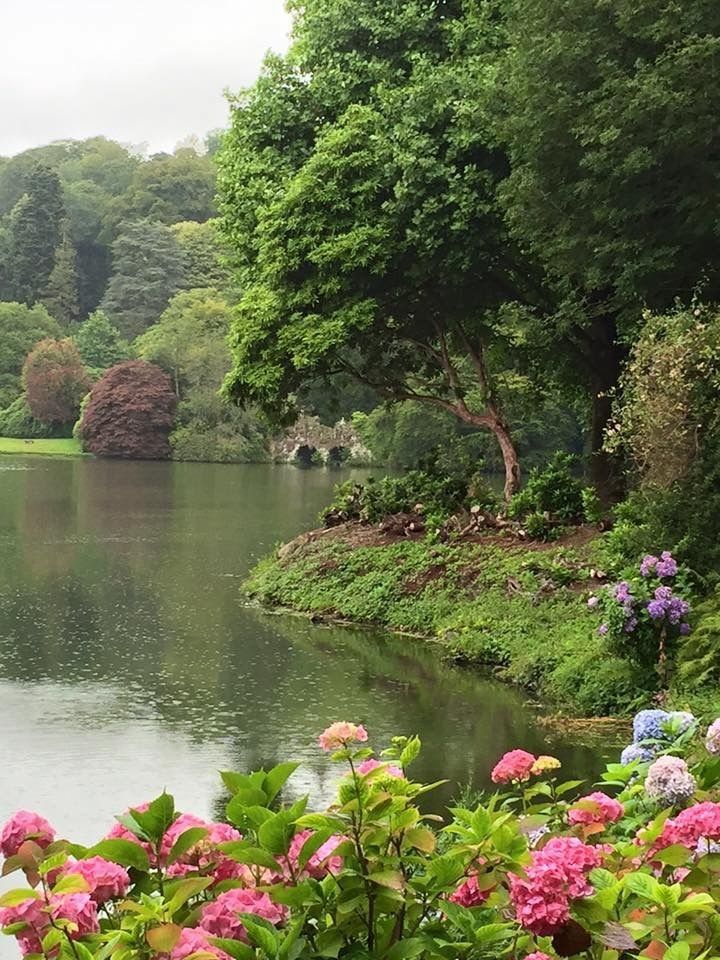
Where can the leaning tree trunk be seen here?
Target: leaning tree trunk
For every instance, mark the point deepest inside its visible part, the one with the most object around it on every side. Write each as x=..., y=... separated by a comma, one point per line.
x=605, y=366
x=510, y=458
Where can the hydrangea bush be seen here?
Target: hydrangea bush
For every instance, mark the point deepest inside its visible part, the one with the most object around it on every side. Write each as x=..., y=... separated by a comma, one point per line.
x=644, y=615
x=542, y=868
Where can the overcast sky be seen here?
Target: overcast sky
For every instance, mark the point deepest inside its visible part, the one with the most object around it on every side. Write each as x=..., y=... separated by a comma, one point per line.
x=133, y=70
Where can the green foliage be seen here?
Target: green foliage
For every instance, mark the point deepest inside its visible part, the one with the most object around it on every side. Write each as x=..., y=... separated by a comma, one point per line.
x=553, y=493
x=203, y=252
x=699, y=655
x=171, y=188
x=21, y=328
x=536, y=633
x=99, y=342
x=35, y=232
x=61, y=292
x=17, y=421
x=147, y=272
x=438, y=496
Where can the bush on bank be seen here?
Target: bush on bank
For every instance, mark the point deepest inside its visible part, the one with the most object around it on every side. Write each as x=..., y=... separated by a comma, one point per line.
x=543, y=868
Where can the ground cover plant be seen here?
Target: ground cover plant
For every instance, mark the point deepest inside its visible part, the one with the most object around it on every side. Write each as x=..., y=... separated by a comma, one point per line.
x=543, y=868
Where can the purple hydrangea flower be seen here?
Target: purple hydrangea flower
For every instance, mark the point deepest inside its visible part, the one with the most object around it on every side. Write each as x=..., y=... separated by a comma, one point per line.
x=666, y=566
x=593, y=602
x=685, y=629
x=603, y=629
x=669, y=781
x=648, y=564
x=656, y=609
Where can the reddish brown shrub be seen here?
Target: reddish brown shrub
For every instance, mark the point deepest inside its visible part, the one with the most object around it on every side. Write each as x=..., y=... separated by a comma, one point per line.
x=130, y=413
x=55, y=381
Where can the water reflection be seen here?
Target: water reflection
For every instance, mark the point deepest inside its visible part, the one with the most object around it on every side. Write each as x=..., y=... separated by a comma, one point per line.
x=128, y=662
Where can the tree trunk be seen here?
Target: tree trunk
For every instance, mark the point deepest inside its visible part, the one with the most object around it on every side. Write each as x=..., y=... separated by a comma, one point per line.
x=510, y=458
x=605, y=365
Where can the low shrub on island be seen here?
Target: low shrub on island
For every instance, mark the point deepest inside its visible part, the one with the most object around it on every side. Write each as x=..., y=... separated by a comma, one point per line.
x=540, y=869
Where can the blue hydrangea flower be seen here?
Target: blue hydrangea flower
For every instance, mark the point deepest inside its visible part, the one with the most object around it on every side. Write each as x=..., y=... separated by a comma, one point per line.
x=648, y=725
x=636, y=752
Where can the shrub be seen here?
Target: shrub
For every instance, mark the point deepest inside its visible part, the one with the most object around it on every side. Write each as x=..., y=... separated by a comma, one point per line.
x=55, y=381
x=699, y=656
x=438, y=495
x=130, y=413
x=554, y=491
x=643, y=616
x=541, y=867
x=17, y=421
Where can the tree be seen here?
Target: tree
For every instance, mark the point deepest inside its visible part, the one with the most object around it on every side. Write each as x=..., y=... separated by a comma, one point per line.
x=130, y=413
x=611, y=127
x=147, y=272
x=61, y=292
x=370, y=242
x=189, y=341
x=202, y=249
x=35, y=226
x=21, y=327
x=168, y=189
x=99, y=342
x=55, y=381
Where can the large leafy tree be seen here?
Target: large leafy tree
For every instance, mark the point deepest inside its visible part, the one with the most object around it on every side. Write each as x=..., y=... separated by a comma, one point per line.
x=611, y=127
x=189, y=341
x=55, y=381
x=99, y=342
x=21, y=327
x=364, y=218
x=147, y=272
x=61, y=291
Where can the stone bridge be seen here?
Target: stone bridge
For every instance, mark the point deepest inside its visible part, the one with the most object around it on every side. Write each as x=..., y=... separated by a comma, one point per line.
x=310, y=441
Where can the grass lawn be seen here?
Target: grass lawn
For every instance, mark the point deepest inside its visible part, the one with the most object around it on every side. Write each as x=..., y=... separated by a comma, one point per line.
x=47, y=448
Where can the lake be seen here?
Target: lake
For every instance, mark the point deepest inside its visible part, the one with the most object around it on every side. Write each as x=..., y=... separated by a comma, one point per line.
x=130, y=663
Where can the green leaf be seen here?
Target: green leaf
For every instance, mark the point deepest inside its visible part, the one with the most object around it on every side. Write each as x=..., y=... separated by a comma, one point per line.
x=236, y=781
x=124, y=852
x=278, y=777
x=678, y=951
x=643, y=885
x=157, y=818
x=71, y=883
x=330, y=943
x=276, y=833
x=421, y=838
x=673, y=856
x=388, y=878
x=162, y=939
x=312, y=845
x=186, y=841
x=239, y=851
x=234, y=948
x=185, y=890
x=410, y=752
x=260, y=935
x=13, y=897
x=291, y=938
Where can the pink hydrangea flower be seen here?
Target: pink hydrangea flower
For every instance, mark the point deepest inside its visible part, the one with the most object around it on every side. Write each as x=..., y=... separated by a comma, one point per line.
x=340, y=735
x=193, y=940
x=712, y=738
x=105, y=880
x=77, y=908
x=221, y=918
x=469, y=894
x=557, y=874
x=669, y=780
x=537, y=956
x=513, y=766
x=25, y=825
x=33, y=913
x=367, y=766
x=321, y=863
x=701, y=821
x=604, y=810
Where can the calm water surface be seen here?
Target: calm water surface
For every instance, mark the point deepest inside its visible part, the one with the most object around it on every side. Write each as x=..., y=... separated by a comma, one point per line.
x=129, y=663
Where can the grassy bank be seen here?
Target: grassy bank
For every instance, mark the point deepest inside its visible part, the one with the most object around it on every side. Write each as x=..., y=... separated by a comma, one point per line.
x=519, y=609
x=46, y=448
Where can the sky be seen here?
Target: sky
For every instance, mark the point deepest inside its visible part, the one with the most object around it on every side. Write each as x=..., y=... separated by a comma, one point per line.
x=137, y=71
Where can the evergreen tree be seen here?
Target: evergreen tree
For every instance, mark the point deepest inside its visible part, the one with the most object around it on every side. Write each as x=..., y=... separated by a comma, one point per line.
x=35, y=233
x=147, y=272
x=61, y=293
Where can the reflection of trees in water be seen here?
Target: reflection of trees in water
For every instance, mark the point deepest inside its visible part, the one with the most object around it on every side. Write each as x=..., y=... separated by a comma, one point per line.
x=135, y=595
